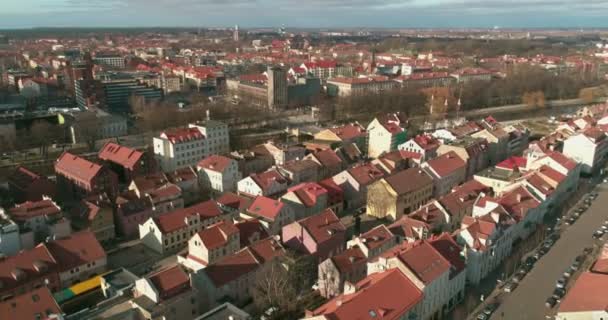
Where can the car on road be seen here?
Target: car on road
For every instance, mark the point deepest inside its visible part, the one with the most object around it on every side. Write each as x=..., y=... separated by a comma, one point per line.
x=567, y=273
x=575, y=265
x=551, y=302
x=559, y=293
x=561, y=283
x=510, y=286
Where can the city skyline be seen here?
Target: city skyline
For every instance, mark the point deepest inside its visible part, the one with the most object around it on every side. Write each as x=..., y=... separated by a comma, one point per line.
x=315, y=13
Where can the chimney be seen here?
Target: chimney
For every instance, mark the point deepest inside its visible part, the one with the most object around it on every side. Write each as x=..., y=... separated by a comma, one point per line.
x=519, y=197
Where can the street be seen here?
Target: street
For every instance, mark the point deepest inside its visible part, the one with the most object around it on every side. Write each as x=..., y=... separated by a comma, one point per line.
x=528, y=299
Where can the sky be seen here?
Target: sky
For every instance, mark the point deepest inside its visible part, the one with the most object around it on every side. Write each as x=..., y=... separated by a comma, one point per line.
x=305, y=13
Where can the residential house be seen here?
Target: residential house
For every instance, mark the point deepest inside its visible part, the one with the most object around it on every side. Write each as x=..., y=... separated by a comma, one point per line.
x=218, y=173
x=254, y=161
x=430, y=271
x=27, y=185
x=589, y=148
x=474, y=151
x=374, y=242
x=335, y=195
x=355, y=182
x=234, y=277
x=273, y=214
x=306, y=199
x=167, y=294
x=164, y=195
x=461, y=201
x=37, y=304
x=399, y=160
x=447, y=171
x=434, y=215
x=425, y=145
x=269, y=183
x=298, y=171
x=407, y=229
x=281, y=152
x=385, y=134
x=131, y=211
x=180, y=148
x=487, y=241
x=250, y=231
x=348, y=266
x=126, y=162
x=187, y=180
x=171, y=231
x=585, y=298
x=341, y=135
x=321, y=235
x=39, y=221
x=399, y=194
x=329, y=163
x=56, y=264
x=387, y=295
x=96, y=215
x=78, y=178
x=211, y=245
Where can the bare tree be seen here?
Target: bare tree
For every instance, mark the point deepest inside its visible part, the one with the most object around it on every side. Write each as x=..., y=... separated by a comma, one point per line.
x=274, y=291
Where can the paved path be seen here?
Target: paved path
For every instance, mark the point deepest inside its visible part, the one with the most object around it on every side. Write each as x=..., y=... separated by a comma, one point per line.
x=527, y=302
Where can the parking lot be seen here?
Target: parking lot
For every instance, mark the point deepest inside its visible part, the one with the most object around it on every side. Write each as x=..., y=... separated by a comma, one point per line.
x=527, y=301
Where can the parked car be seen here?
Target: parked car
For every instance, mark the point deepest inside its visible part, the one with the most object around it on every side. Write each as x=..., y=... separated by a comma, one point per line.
x=559, y=293
x=598, y=234
x=519, y=276
x=570, y=220
x=551, y=302
x=489, y=309
x=530, y=261
x=587, y=250
x=510, y=286
x=482, y=316
x=567, y=273
x=580, y=258
x=561, y=283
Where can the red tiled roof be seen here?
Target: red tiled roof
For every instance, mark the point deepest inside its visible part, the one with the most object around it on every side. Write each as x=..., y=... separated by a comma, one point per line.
x=347, y=260
x=248, y=228
x=243, y=262
x=76, y=250
x=234, y=201
x=513, y=163
x=265, y=179
x=308, y=193
x=377, y=237
x=422, y=259
x=36, y=304
x=182, y=174
x=24, y=177
x=366, y=173
x=323, y=226
x=426, y=142
x=404, y=227
x=29, y=210
x=328, y=158
x=217, y=235
x=215, y=163
x=388, y=295
x=170, y=282
x=148, y=183
x=587, y=294
x=124, y=156
x=77, y=168
x=27, y=266
x=551, y=173
x=518, y=201
x=601, y=264
x=175, y=220
x=446, y=164
x=266, y=207
x=183, y=135
x=365, y=80
x=450, y=250
x=562, y=159
x=349, y=131
x=409, y=180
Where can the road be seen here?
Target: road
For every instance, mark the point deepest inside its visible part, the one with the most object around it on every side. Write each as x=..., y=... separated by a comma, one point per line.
x=527, y=302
